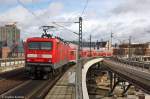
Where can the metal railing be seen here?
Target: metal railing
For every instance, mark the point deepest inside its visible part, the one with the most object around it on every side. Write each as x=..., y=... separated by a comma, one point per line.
x=11, y=62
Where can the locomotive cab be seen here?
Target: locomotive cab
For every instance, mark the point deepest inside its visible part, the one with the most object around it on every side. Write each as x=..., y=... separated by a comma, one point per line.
x=45, y=56
x=38, y=56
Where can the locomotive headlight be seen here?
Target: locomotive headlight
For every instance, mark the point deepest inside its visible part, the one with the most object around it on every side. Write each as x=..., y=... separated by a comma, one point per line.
x=31, y=55
x=46, y=56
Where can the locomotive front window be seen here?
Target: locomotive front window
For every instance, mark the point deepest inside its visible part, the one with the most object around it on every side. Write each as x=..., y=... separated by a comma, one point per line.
x=40, y=45
x=46, y=45
x=34, y=45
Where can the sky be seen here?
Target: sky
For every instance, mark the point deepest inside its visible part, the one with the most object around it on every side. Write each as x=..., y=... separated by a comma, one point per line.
x=123, y=18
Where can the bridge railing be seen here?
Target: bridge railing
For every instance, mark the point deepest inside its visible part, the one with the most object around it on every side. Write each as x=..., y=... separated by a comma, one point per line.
x=11, y=62
x=142, y=65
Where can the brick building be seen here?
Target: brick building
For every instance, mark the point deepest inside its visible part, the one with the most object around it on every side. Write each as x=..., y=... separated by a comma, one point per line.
x=135, y=50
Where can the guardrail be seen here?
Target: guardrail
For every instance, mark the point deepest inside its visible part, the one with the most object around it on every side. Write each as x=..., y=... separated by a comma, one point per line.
x=11, y=62
x=142, y=65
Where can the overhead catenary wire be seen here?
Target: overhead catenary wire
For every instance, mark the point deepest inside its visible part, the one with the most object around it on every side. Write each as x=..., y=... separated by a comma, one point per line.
x=85, y=6
x=40, y=18
x=55, y=23
x=61, y=21
x=65, y=28
x=23, y=5
x=19, y=2
x=82, y=12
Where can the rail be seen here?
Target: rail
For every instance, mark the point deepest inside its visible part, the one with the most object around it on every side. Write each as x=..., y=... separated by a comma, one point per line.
x=33, y=89
x=139, y=77
x=144, y=66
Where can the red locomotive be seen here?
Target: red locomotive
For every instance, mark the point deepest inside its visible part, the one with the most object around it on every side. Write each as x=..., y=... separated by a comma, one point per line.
x=45, y=55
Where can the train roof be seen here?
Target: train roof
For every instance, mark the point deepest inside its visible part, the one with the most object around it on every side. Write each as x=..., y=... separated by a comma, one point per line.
x=40, y=39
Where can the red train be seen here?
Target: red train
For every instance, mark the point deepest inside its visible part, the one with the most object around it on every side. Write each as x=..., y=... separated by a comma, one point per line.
x=87, y=53
x=45, y=55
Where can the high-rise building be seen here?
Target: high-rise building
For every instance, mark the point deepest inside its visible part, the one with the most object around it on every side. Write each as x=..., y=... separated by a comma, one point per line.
x=9, y=35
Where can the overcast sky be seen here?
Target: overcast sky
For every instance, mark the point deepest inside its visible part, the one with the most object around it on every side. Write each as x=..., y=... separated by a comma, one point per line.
x=123, y=17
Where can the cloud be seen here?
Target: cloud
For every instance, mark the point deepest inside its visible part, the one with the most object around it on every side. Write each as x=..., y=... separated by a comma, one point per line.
x=131, y=18
x=30, y=1
x=14, y=2
x=126, y=18
x=21, y=16
x=8, y=2
x=55, y=8
x=28, y=22
x=132, y=6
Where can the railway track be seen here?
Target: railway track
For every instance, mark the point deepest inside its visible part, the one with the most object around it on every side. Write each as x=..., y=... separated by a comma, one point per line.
x=32, y=89
x=10, y=74
x=11, y=79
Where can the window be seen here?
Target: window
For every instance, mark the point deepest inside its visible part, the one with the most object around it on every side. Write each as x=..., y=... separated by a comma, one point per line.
x=46, y=45
x=40, y=45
